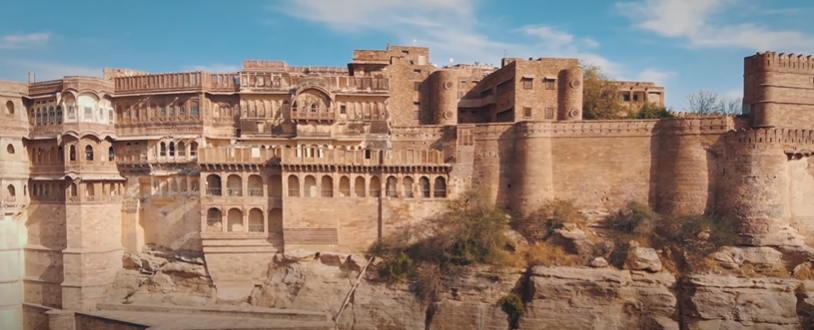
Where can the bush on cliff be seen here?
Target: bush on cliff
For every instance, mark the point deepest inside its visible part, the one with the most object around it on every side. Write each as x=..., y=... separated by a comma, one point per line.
x=471, y=230
x=540, y=224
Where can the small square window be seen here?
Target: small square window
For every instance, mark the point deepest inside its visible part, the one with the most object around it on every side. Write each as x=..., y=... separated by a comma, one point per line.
x=528, y=83
x=405, y=52
x=550, y=84
x=549, y=113
x=163, y=111
x=343, y=109
x=626, y=97
x=417, y=71
x=527, y=112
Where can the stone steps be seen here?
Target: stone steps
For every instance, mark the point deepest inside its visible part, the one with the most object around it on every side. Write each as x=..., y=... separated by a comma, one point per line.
x=227, y=311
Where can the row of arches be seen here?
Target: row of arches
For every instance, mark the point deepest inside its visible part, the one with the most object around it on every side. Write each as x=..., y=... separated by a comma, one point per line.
x=57, y=155
x=239, y=221
x=168, y=186
x=180, y=149
x=359, y=186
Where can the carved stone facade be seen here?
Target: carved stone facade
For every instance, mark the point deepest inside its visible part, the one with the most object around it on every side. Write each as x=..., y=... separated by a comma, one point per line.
x=241, y=166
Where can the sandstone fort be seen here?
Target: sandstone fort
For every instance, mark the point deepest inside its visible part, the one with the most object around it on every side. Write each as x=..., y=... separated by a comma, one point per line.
x=242, y=166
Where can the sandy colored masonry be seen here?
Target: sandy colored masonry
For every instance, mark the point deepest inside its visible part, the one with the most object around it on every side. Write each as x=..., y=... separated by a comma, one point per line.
x=242, y=165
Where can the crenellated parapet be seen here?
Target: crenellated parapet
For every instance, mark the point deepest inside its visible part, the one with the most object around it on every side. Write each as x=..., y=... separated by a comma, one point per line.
x=779, y=62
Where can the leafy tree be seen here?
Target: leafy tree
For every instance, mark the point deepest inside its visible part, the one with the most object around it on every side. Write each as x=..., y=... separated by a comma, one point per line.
x=709, y=102
x=600, y=98
x=652, y=111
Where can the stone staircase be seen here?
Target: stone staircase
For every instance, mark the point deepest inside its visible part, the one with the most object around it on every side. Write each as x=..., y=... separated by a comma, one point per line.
x=163, y=317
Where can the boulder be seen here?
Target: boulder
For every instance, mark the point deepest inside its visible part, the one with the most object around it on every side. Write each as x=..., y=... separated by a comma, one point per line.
x=573, y=240
x=598, y=262
x=642, y=258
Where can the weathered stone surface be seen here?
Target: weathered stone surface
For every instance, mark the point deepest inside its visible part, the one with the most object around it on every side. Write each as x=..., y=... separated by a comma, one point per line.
x=760, y=257
x=598, y=262
x=728, y=302
x=642, y=258
x=573, y=240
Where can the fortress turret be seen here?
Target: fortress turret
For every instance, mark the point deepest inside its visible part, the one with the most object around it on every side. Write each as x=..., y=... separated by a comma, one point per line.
x=778, y=90
x=444, y=88
x=570, y=98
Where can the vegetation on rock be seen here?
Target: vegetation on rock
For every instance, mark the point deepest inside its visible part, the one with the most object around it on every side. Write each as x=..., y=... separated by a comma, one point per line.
x=513, y=306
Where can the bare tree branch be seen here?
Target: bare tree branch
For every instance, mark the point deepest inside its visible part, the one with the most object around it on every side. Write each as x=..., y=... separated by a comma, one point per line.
x=709, y=102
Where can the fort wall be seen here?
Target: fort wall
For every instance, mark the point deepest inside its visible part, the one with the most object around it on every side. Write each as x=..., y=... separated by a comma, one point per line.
x=778, y=89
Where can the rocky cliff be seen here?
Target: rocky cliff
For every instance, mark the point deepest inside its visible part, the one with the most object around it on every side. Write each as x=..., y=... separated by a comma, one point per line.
x=642, y=296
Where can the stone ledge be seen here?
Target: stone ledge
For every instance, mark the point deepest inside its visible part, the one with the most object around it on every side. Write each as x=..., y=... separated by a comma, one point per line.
x=226, y=310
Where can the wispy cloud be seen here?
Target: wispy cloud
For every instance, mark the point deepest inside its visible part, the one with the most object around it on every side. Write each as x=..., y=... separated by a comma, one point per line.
x=47, y=70
x=24, y=41
x=655, y=76
x=450, y=28
x=215, y=68
x=694, y=21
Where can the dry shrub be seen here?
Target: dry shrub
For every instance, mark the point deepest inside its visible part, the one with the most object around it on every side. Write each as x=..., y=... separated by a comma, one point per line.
x=427, y=282
x=804, y=273
x=540, y=224
x=547, y=254
x=634, y=223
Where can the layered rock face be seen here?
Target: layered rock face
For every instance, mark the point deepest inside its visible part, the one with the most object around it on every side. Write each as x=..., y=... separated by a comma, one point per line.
x=597, y=297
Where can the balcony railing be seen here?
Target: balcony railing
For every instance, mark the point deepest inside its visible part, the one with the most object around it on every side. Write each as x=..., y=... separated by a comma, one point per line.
x=234, y=192
x=213, y=191
x=255, y=192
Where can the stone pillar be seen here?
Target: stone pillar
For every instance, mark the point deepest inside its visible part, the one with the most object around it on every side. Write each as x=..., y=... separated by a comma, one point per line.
x=93, y=253
x=754, y=188
x=533, y=178
x=61, y=320
x=570, y=94
x=12, y=239
x=683, y=170
x=444, y=89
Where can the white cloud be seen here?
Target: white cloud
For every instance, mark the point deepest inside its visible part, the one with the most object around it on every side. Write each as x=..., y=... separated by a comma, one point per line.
x=45, y=70
x=450, y=28
x=694, y=20
x=24, y=41
x=215, y=68
x=655, y=76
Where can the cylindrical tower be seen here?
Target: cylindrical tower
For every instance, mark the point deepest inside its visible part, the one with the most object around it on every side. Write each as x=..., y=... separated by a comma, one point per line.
x=683, y=170
x=14, y=173
x=754, y=187
x=533, y=176
x=444, y=91
x=570, y=94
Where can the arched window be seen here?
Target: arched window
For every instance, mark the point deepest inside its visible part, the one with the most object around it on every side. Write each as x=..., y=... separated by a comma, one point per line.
x=163, y=149
x=407, y=186
x=72, y=154
x=327, y=186
x=10, y=149
x=110, y=155
x=293, y=186
x=344, y=186
x=440, y=188
x=193, y=149
x=88, y=153
x=375, y=187
x=214, y=220
x=313, y=107
x=172, y=148
x=11, y=191
x=182, y=149
x=61, y=154
x=213, y=185
x=424, y=185
x=391, y=189
x=310, y=187
x=359, y=187
x=9, y=108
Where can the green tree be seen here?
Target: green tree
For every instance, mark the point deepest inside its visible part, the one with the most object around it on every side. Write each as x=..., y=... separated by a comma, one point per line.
x=600, y=99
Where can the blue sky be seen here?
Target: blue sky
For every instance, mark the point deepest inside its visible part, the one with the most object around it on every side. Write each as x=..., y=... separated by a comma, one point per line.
x=684, y=45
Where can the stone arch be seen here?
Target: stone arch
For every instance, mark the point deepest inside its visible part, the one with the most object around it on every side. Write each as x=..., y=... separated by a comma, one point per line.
x=310, y=186
x=293, y=186
x=214, y=220
x=88, y=153
x=407, y=187
x=375, y=187
x=391, y=190
x=424, y=187
x=73, y=192
x=9, y=108
x=326, y=186
x=234, y=185
x=193, y=149
x=440, y=187
x=255, y=186
x=234, y=220
x=256, y=220
x=344, y=186
x=182, y=149
x=359, y=187
x=11, y=191
x=213, y=185
x=275, y=221
x=275, y=186
x=313, y=99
